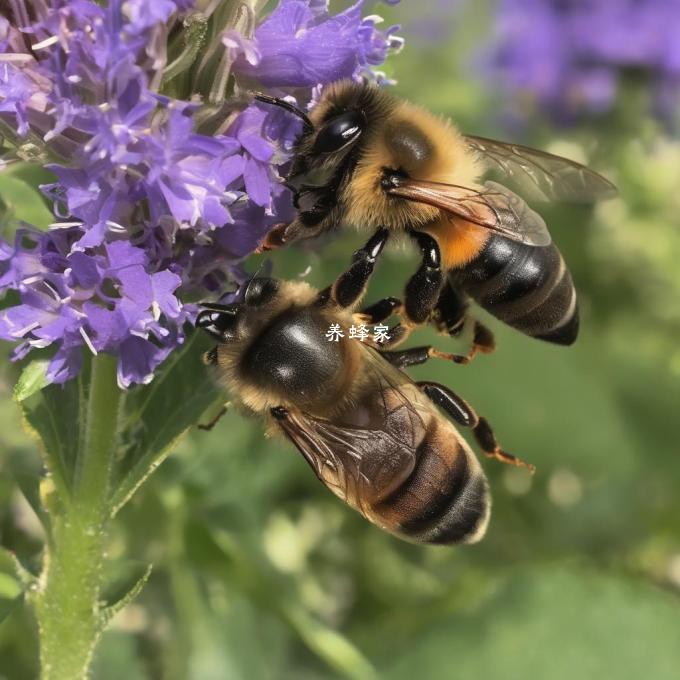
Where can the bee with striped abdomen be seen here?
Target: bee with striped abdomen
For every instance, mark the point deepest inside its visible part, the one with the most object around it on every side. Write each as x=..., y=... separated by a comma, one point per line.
x=380, y=163
x=371, y=435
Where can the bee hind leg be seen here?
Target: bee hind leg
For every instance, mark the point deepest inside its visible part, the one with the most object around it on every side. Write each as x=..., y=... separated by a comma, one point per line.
x=450, y=316
x=491, y=449
x=463, y=414
x=483, y=342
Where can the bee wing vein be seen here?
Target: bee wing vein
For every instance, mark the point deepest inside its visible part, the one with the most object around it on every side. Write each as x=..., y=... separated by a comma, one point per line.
x=557, y=178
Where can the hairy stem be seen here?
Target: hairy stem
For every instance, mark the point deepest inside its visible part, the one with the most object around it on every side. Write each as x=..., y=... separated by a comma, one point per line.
x=68, y=597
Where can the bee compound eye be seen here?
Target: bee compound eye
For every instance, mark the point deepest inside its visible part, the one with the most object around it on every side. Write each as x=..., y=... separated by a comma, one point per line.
x=260, y=291
x=220, y=323
x=205, y=319
x=338, y=132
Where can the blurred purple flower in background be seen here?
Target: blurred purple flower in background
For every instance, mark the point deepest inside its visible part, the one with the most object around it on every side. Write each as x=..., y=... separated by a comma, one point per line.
x=159, y=190
x=569, y=56
x=429, y=22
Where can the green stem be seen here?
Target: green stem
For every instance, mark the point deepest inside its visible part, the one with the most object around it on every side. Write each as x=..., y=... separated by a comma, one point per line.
x=68, y=598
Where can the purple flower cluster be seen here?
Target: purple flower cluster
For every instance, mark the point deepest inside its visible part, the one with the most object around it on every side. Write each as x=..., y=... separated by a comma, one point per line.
x=569, y=55
x=151, y=209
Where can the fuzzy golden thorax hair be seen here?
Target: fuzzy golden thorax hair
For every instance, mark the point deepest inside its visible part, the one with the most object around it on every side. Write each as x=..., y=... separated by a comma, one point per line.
x=290, y=297
x=399, y=137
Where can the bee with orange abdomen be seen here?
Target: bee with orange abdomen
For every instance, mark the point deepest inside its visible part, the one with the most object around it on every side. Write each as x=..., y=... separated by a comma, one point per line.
x=378, y=162
x=372, y=435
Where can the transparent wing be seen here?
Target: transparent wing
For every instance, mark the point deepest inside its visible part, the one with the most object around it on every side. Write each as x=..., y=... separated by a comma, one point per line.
x=557, y=178
x=494, y=207
x=373, y=449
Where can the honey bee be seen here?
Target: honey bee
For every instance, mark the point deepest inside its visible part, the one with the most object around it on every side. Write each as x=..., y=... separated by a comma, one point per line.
x=380, y=163
x=373, y=436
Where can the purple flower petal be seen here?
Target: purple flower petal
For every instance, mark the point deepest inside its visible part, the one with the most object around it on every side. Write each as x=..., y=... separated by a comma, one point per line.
x=137, y=360
x=108, y=327
x=65, y=364
x=84, y=270
x=258, y=185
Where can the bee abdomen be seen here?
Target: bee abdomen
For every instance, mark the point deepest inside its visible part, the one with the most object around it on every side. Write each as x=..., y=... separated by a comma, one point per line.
x=527, y=287
x=445, y=500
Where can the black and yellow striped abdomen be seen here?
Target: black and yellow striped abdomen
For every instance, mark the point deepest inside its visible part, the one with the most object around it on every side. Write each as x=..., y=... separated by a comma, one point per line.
x=445, y=500
x=526, y=287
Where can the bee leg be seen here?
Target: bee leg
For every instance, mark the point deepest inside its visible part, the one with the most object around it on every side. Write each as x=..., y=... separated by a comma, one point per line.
x=215, y=419
x=407, y=357
x=450, y=315
x=381, y=310
x=350, y=286
x=274, y=238
x=419, y=355
x=424, y=287
x=450, y=312
x=394, y=336
x=422, y=292
x=463, y=414
x=483, y=342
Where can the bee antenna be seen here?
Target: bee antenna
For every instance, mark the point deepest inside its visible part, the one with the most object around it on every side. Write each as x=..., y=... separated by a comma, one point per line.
x=282, y=103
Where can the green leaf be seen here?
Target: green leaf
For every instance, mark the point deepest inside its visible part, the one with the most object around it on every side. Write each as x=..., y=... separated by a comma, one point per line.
x=7, y=606
x=55, y=416
x=11, y=586
x=122, y=591
x=28, y=483
x=158, y=415
x=154, y=417
x=551, y=623
x=20, y=202
x=263, y=586
x=335, y=649
x=32, y=379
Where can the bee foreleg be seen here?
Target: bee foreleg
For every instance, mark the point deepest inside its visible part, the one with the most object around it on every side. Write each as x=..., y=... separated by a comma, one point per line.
x=423, y=288
x=463, y=414
x=350, y=286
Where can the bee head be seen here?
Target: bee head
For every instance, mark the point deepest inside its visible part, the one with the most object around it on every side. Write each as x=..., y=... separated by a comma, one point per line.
x=226, y=323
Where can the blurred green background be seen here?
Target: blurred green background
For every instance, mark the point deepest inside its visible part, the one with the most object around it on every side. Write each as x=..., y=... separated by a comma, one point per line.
x=259, y=572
